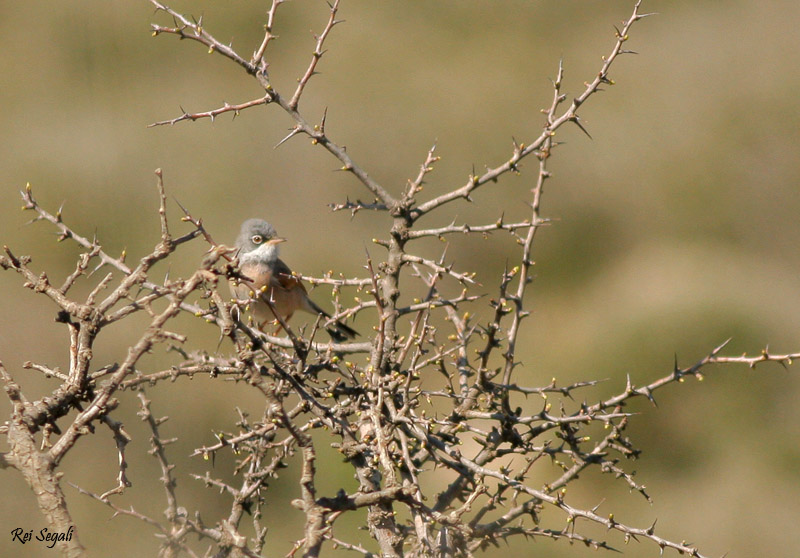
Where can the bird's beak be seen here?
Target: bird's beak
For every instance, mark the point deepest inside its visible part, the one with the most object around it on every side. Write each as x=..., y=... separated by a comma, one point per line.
x=276, y=240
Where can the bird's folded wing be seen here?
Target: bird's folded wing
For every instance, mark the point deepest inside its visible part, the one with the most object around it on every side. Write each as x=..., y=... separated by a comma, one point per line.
x=282, y=277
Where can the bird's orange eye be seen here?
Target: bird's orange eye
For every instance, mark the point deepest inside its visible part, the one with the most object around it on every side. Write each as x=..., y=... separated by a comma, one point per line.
x=257, y=239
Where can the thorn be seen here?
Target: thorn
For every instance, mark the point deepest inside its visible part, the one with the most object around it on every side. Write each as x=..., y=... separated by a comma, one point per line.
x=647, y=392
x=722, y=345
x=597, y=507
x=652, y=528
x=577, y=122
x=185, y=211
x=557, y=81
x=293, y=133
x=92, y=272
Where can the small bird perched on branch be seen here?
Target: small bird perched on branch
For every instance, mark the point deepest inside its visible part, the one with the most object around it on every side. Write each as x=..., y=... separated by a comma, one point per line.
x=267, y=278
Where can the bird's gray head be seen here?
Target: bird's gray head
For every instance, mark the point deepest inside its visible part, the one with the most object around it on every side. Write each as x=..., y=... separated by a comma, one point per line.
x=258, y=242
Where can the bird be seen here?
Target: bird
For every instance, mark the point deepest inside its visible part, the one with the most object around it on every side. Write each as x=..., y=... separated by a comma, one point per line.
x=266, y=277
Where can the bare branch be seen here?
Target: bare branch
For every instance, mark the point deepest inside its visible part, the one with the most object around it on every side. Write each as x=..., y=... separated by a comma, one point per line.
x=212, y=114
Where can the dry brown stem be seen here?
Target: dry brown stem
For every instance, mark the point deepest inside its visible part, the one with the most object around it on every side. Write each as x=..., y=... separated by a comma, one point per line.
x=440, y=391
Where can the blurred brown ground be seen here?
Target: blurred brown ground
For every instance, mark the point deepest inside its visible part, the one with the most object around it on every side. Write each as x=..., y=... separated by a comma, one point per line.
x=674, y=229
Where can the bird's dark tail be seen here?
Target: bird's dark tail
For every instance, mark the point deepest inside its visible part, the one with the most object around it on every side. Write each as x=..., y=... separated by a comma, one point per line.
x=338, y=331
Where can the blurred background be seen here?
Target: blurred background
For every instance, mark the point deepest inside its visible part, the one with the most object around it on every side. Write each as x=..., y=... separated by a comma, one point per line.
x=674, y=229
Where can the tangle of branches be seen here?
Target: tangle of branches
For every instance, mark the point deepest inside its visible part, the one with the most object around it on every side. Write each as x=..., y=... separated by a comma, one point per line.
x=448, y=449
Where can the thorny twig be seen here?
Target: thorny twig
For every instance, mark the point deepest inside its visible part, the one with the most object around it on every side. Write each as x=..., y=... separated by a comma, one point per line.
x=437, y=388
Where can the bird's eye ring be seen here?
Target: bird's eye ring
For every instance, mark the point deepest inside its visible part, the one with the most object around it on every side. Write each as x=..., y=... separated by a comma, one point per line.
x=257, y=239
